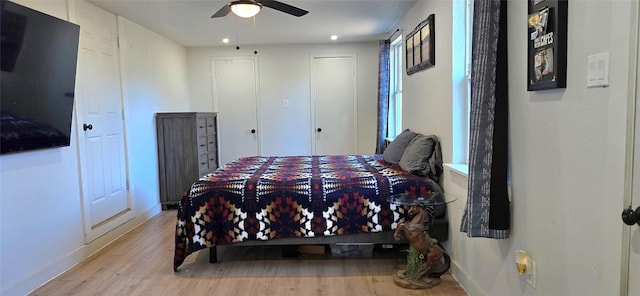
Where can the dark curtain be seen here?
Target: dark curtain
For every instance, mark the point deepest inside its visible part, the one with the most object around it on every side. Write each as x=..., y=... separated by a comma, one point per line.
x=487, y=212
x=383, y=94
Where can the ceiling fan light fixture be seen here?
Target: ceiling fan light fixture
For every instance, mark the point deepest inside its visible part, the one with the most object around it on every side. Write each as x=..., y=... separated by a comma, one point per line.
x=245, y=9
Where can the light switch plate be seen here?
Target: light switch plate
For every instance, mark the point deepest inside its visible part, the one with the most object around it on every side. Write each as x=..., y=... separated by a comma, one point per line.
x=598, y=70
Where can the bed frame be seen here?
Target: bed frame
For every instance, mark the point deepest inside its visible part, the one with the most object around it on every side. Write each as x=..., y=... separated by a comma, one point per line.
x=439, y=230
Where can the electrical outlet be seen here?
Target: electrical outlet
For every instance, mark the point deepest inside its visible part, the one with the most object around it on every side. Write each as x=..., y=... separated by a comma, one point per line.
x=531, y=274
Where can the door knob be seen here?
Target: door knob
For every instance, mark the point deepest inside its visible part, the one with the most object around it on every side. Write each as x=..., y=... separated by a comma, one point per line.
x=319, y=129
x=253, y=131
x=630, y=217
x=86, y=127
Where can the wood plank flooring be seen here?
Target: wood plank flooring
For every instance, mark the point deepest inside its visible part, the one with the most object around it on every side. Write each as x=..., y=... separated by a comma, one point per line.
x=141, y=263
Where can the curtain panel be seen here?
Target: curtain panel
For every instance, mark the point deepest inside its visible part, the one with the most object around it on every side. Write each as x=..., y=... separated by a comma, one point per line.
x=487, y=211
x=383, y=94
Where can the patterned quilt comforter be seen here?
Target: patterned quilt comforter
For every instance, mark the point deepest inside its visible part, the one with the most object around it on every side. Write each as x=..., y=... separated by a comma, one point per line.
x=264, y=198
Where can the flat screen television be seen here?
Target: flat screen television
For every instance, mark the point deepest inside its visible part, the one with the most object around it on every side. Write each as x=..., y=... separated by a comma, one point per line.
x=39, y=54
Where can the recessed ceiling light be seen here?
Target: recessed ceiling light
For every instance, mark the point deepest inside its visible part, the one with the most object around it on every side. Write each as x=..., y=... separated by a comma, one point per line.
x=225, y=40
x=334, y=37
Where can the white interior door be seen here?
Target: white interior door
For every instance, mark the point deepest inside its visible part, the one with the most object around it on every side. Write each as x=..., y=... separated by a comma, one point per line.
x=106, y=202
x=334, y=97
x=235, y=84
x=632, y=250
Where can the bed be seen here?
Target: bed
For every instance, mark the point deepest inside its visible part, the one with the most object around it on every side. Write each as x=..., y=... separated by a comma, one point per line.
x=298, y=200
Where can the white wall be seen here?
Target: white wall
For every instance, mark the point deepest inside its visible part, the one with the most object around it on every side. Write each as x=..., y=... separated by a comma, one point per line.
x=36, y=188
x=285, y=74
x=567, y=158
x=155, y=75
x=567, y=151
x=426, y=95
x=40, y=210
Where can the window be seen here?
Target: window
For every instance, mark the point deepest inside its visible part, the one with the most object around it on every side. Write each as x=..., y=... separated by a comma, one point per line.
x=394, y=125
x=462, y=33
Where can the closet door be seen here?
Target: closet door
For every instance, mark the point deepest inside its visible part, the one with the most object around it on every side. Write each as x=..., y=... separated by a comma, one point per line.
x=235, y=84
x=631, y=241
x=334, y=101
x=101, y=144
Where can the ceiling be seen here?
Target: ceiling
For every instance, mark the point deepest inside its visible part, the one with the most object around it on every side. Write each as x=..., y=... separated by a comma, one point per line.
x=189, y=22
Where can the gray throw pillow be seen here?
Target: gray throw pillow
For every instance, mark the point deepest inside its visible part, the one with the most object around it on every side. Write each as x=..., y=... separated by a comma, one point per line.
x=393, y=152
x=415, y=158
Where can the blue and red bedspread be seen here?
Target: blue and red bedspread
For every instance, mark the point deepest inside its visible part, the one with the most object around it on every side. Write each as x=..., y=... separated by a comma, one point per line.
x=264, y=198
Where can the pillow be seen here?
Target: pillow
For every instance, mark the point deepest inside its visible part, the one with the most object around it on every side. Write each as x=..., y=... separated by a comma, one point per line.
x=393, y=152
x=415, y=158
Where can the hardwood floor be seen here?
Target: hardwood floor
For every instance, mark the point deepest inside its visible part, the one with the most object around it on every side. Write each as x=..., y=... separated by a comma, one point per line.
x=141, y=263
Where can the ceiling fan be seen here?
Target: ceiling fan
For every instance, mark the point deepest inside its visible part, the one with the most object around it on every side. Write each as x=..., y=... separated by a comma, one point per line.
x=249, y=8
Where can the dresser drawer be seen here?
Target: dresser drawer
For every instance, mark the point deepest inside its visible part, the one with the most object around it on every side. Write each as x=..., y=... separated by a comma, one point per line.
x=203, y=163
x=211, y=125
x=211, y=143
x=203, y=146
x=201, y=126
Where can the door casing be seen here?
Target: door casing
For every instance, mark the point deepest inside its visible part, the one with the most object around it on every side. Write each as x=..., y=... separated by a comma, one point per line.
x=630, y=265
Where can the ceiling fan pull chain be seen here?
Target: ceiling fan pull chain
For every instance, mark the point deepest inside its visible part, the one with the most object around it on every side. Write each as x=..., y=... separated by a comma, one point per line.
x=237, y=42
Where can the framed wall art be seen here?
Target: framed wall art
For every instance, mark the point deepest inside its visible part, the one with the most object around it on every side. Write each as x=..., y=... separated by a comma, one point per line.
x=547, y=44
x=420, y=46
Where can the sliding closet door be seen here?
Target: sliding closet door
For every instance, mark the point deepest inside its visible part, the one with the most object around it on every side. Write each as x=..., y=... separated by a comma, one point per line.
x=235, y=84
x=334, y=101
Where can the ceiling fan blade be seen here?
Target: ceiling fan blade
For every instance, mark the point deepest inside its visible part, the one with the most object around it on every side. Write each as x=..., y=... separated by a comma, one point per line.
x=277, y=5
x=222, y=12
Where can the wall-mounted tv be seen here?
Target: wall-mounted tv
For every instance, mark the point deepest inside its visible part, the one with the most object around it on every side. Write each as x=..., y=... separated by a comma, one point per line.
x=39, y=54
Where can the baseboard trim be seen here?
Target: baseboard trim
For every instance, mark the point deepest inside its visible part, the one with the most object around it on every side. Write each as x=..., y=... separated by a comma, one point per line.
x=465, y=282
x=55, y=269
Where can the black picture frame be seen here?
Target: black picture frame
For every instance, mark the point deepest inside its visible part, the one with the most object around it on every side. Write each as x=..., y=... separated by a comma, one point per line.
x=547, y=44
x=420, y=46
